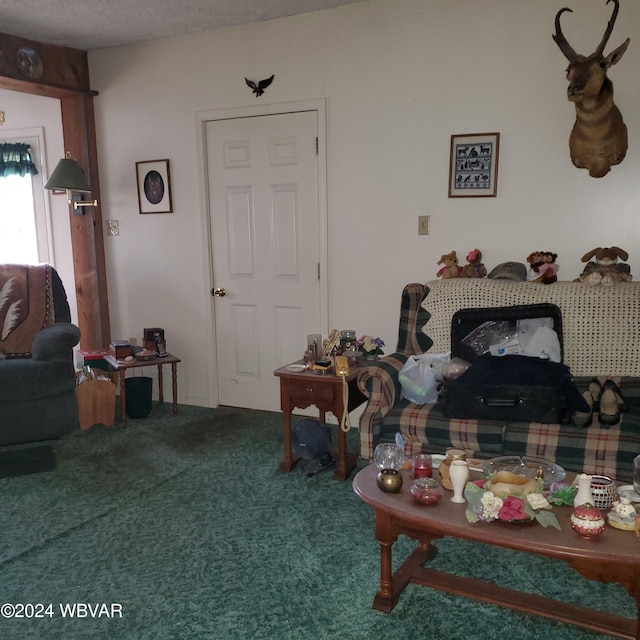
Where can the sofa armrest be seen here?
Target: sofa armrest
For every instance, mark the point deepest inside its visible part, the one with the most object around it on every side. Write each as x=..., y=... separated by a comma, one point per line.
x=55, y=343
x=379, y=382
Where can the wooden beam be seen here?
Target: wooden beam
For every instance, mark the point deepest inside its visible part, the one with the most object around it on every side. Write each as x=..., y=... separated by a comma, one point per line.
x=65, y=76
x=60, y=68
x=86, y=230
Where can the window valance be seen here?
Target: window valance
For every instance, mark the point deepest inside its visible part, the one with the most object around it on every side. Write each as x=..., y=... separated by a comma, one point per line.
x=15, y=160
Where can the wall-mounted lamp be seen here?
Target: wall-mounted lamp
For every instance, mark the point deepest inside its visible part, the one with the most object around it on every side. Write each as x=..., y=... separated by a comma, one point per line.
x=68, y=177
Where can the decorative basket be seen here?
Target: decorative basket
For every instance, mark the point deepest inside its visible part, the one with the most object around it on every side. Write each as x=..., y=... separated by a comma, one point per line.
x=508, y=483
x=604, y=491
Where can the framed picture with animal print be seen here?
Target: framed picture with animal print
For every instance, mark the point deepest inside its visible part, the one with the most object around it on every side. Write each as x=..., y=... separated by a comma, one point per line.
x=473, y=165
x=154, y=186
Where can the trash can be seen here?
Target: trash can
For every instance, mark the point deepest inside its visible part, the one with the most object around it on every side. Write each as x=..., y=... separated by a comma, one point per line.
x=138, y=391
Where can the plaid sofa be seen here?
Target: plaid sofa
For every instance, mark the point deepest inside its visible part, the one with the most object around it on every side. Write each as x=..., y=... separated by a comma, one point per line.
x=595, y=449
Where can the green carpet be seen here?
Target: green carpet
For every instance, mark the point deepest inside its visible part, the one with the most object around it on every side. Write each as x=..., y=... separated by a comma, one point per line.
x=21, y=461
x=185, y=524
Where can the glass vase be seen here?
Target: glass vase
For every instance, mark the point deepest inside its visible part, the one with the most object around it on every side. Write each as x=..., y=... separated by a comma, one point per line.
x=459, y=475
x=388, y=455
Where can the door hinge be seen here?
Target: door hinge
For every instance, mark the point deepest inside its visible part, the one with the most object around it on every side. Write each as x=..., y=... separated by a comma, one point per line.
x=318, y=271
x=317, y=146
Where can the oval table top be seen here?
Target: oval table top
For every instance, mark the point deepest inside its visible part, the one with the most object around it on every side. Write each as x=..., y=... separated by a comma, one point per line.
x=448, y=519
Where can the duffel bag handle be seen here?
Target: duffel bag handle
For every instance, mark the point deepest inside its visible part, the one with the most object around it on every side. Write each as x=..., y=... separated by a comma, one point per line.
x=502, y=402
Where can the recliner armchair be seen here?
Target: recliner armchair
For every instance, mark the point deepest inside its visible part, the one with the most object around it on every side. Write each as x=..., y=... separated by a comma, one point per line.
x=37, y=386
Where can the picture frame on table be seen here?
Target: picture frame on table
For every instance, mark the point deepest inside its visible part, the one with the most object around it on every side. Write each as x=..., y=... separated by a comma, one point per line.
x=473, y=165
x=154, y=186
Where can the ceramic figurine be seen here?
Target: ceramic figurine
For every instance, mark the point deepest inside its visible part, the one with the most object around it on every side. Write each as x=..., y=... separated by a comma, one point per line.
x=623, y=515
x=624, y=508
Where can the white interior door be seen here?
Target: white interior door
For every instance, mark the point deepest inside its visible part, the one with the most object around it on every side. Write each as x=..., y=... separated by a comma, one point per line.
x=265, y=240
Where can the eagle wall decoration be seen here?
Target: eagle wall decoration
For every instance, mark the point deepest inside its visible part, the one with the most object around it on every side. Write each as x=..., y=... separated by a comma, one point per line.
x=259, y=88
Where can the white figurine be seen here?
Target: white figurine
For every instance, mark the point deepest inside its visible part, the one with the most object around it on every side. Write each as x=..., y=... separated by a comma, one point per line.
x=624, y=508
x=623, y=514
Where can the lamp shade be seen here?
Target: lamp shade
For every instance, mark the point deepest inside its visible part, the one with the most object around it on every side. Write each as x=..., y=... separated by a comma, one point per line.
x=67, y=176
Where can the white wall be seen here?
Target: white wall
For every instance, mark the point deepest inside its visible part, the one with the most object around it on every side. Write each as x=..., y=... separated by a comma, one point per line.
x=24, y=112
x=399, y=77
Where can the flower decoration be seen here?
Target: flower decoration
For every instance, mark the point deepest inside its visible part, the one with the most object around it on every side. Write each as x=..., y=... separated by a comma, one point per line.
x=370, y=346
x=484, y=506
x=562, y=493
x=491, y=506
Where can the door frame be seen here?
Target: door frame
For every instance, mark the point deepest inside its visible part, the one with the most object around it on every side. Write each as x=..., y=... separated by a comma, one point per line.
x=202, y=117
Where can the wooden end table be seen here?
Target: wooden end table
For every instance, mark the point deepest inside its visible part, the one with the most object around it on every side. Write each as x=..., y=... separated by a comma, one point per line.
x=301, y=389
x=613, y=557
x=120, y=366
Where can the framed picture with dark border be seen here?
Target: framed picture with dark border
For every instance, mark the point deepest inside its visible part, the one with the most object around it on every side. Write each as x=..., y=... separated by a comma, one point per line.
x=473, y=165
x=154, y=186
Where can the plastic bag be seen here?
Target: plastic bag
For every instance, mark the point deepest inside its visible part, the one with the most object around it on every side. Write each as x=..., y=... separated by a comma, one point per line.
x=421, y=375
x=453, y=369
x=491, y=336
x=530, y=336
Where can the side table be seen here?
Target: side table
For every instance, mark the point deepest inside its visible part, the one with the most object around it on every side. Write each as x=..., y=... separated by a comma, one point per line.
x=120, y=366
x=300, y=389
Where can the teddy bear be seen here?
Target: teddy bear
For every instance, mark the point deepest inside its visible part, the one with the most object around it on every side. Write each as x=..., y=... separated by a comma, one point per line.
x=542, y=267
x=535, y=259
x=606, y=270
x=450, y=268
x=475, y=268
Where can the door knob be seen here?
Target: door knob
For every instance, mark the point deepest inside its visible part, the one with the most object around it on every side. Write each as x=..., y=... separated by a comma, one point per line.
x=221, y=292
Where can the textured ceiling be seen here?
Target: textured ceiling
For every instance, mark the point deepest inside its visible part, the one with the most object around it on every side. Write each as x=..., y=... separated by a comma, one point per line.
x=95, y=24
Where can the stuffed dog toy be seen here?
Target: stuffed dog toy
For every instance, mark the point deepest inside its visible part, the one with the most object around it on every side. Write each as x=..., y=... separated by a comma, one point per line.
x=606, y=270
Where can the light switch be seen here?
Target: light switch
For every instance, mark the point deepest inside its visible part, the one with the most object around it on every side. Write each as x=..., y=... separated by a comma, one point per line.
x=423, y=225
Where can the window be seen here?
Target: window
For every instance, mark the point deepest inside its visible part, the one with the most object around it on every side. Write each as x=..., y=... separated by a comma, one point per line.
x=24, y=221
x=18, y=239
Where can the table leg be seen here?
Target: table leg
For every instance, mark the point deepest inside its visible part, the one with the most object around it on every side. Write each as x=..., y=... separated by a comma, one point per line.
x=385, y=599
x=174, y=386
x=386, y=581
x=123, y=397
x=160, y=385
x=392, y=585
x=287, y=463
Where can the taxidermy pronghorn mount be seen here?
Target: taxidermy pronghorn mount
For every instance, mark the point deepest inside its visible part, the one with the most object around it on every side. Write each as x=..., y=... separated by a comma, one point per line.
x=599, y=136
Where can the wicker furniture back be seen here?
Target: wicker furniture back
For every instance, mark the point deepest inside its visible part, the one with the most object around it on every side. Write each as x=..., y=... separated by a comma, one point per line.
x=601, y=332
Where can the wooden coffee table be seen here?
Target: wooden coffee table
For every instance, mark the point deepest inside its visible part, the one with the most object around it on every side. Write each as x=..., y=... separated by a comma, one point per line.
x=612, y=557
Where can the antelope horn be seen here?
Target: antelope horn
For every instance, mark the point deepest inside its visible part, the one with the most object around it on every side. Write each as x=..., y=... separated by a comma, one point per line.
x=603, y=43
x=561, y=41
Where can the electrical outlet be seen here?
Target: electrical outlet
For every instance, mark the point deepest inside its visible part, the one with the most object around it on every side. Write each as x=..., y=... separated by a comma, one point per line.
x=423, y=225
x=113, y=228
x=133, y=342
